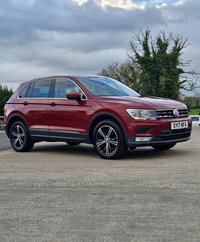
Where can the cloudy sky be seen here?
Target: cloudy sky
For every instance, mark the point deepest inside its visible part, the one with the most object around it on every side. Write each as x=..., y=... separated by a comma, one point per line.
x=44, y=37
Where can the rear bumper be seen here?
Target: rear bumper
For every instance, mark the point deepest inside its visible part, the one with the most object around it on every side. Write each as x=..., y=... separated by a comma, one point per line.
x=5, y=129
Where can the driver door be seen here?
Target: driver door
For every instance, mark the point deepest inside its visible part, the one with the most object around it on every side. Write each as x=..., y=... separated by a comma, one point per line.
x=67, y=117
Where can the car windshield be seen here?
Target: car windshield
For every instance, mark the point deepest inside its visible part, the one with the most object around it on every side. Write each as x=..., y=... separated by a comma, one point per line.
x=104, y=86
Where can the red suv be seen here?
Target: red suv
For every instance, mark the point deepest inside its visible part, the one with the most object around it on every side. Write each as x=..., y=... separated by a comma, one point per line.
x=92, y=109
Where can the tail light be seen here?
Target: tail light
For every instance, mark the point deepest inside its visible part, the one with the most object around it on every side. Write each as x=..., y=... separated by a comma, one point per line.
x=5, y=110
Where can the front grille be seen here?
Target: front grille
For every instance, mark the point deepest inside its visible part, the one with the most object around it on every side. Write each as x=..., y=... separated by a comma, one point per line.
x=170, y=135
x=168, y=113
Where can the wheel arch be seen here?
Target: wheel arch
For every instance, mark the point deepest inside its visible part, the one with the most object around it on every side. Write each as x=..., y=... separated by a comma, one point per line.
x=14, y=118
x=100, y=117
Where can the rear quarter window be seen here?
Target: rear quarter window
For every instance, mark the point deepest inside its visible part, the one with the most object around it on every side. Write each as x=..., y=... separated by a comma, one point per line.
x=23, y=92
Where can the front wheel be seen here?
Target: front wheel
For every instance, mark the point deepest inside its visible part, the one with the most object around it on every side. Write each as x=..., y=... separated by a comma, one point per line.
x=19, y=137
x=164, y=147
x=108, y=140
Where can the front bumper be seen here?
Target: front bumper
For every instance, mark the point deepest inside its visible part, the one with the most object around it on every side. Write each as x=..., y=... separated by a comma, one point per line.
x=164, y=137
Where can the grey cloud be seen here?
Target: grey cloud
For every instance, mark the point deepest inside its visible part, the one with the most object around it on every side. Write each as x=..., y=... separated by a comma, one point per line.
x=182, y=13
x=85, y=28
x=52, y=36
x=51, y=15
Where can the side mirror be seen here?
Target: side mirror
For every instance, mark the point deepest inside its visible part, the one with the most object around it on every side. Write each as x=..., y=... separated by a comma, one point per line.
x=74, y=96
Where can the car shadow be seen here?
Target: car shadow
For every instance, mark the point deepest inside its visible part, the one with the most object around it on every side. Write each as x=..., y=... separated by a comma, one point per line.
x=82, y=149
x=150, y=153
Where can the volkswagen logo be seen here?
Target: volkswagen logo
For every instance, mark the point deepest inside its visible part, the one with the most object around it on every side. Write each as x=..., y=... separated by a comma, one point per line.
x=175, y=113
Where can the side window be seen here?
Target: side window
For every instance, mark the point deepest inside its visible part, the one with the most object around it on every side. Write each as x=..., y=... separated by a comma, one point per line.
x=39, y=89
x=63, y=87
x=23, y=92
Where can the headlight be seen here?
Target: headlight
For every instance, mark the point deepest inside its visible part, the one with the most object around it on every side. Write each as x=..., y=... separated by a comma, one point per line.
x=145, y=114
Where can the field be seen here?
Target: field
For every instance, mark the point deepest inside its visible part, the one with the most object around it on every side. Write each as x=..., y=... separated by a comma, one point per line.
x=194, y=111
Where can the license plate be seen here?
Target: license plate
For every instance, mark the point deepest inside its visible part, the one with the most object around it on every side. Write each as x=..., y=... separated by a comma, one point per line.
x=179, y=125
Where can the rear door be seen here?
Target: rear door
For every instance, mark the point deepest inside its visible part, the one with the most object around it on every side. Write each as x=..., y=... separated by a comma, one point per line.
x=36, y=107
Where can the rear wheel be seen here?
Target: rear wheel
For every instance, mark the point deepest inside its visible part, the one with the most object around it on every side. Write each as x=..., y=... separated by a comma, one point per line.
x=164, y=147
x=108, y=140
x=19, y=137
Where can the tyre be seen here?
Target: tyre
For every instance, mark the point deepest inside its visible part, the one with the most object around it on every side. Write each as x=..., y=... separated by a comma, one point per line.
x=108, y=140
x=163, y=147
x=19, y=137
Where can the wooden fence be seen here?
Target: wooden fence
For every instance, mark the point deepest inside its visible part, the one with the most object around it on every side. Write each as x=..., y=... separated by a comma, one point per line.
x=1, y=122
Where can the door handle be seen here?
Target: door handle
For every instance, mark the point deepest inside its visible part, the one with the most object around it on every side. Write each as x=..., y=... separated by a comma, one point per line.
x=25, y=103
x=53, y=104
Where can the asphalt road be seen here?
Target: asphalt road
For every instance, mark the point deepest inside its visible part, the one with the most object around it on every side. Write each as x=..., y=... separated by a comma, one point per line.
x=4, y=141
x=61, y=193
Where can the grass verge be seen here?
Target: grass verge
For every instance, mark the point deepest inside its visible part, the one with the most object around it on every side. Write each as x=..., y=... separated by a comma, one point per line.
x=194, y=111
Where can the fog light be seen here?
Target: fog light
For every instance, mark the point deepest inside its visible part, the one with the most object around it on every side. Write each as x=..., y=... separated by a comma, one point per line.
x=143, y=139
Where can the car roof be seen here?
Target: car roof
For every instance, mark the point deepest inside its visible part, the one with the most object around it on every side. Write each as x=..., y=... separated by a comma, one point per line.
x=60, y=76
x=64, y=75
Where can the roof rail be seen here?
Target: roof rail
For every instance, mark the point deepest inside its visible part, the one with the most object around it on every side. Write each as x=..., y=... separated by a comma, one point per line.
x=53, y=75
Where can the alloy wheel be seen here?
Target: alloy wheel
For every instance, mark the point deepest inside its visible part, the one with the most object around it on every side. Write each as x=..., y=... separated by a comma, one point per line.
x=107, y=140
x=18, y=137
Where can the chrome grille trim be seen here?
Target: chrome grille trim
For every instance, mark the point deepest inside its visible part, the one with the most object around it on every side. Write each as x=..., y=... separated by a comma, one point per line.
x=168, y=113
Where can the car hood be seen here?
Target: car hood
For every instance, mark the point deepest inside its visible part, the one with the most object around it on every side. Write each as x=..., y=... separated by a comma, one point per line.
x=148, y=102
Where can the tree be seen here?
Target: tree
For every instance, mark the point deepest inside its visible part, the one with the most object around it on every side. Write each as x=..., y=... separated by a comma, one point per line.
x=5, y=94
x=197, y=100
x=159, y=65
x=126, y=73
x=189, y=102
x=110, y=71
x=154, y=67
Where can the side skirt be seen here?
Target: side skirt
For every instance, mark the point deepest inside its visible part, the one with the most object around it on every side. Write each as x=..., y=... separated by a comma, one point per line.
x=55, y=135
